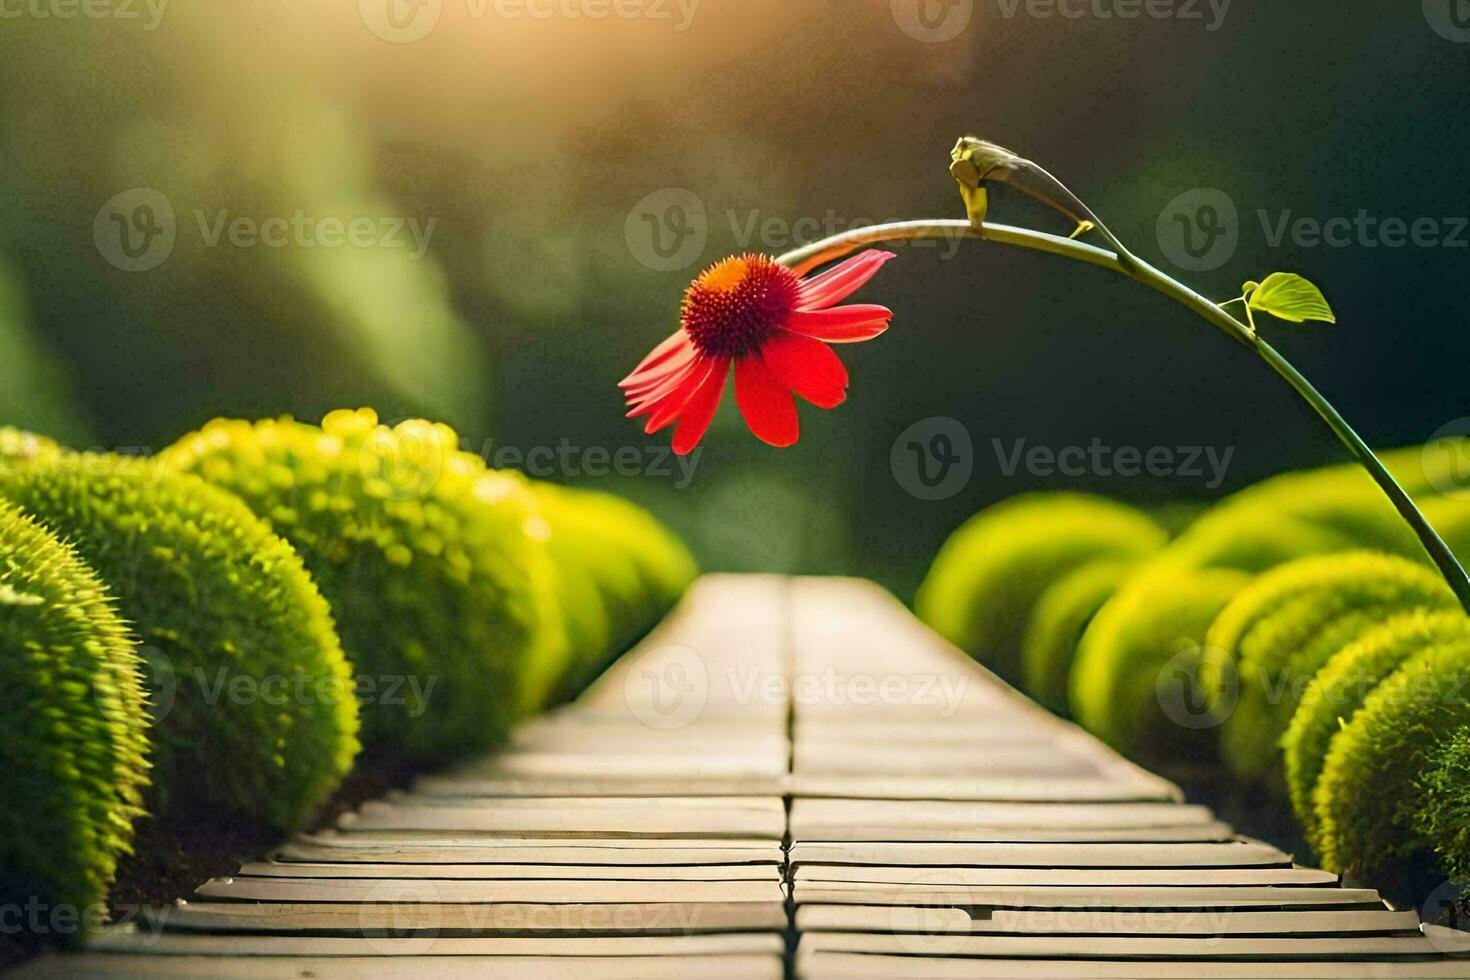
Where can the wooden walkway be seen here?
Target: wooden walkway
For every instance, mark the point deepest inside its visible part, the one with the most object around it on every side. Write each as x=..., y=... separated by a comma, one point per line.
x=789, y=777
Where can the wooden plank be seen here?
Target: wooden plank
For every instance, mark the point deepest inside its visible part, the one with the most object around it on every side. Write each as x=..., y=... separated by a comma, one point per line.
x=809, y=818
x=817, y=965
x=1000, y=790
x=511, y=850
x=673, y=872
x=400, y=918
x=1196, y=921
x=928, y=820
x=422, y=967
x=1102, y=896
x=1309, y=948
x=669, y=782
x=453, y=891
x=1002, y=728
x=1034, y=761
x=1215, y=832
x=200, y=944
x=632, y=766
x=703, y=817
x=576, y=733
x=1069, y=877
x=908, y=853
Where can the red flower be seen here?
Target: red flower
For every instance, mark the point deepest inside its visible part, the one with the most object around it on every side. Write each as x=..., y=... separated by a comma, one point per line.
x=774, y=327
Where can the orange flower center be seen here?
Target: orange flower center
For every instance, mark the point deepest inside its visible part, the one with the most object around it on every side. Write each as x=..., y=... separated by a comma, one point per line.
x=738, y=304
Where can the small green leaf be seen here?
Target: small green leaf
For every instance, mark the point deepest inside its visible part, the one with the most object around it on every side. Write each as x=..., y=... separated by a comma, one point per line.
x=1289, y=297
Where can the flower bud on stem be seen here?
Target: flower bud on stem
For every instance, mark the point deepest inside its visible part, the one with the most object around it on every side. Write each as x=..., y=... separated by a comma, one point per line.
x=976, y=162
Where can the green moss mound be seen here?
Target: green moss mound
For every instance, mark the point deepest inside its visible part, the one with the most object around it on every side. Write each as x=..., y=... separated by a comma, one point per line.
x=1336, y=508
x=253, y=708
x=980, y=591
x=1059, y=619
x=434, y=565
x=1282, y=629
x=71, y=701
x=1135, y=678
x=620, y=570
x=1369, y=817
x=1340, y=688
x=17, y=445
x=1444, y=817
x=1298, y=515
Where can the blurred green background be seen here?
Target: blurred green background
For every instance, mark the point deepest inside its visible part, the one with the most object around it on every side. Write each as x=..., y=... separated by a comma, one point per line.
x=568, y=173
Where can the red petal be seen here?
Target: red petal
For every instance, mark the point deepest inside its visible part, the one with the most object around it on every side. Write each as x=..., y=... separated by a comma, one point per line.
x=841, y=324
x=842, y=280
x=808, y=367
x=666, y=409
x=652, y=387
x=659, y=355
x=699, y=411
x=641, y=402
x=650, y=378
x=767, y=405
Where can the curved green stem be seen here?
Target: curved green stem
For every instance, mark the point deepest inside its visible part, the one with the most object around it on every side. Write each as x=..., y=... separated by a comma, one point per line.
x=818, y=253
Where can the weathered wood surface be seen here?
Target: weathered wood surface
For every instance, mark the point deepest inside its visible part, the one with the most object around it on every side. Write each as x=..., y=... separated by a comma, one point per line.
x=789, y=777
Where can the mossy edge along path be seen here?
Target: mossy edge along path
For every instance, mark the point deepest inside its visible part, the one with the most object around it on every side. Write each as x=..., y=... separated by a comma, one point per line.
x=789, y=777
